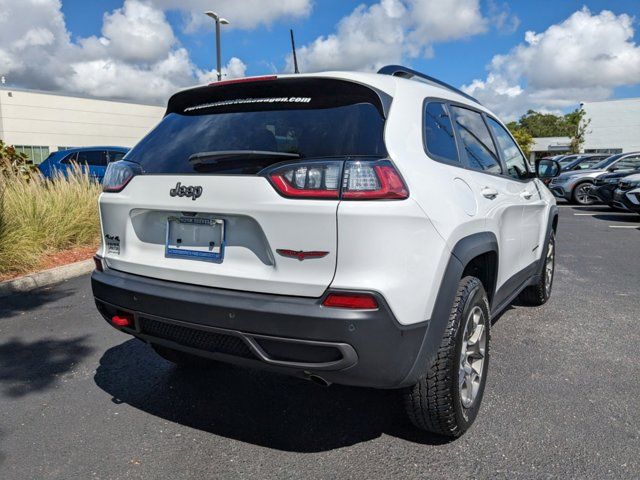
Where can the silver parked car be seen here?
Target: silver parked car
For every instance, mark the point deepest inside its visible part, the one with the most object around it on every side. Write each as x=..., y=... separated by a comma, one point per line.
x=575, y=185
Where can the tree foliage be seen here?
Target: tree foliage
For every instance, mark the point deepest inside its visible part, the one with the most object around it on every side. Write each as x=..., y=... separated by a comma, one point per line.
x=524, y=138
x=15, y=163
x=537, y=124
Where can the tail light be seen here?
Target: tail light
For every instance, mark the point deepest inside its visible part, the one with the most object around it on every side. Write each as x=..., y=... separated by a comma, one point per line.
x=351, y=180
x=373, y=181
x=119, y=174
x=357, y=301
x=308, y=180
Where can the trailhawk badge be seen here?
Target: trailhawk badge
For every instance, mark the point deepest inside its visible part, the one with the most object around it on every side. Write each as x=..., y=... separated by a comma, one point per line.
x=182, y=191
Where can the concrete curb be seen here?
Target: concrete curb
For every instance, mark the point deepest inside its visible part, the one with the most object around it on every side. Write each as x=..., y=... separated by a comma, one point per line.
x=45, y=277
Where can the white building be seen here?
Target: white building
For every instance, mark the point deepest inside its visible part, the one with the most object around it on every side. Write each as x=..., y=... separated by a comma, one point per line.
x=547, y=146
x=614, y=127
x=38, y=123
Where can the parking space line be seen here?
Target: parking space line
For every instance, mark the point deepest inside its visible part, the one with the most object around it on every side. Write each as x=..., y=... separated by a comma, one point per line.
x=586, y=214
x=624, y=226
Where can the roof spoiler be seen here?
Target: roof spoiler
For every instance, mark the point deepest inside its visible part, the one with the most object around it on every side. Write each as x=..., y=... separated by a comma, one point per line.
x=404, y=72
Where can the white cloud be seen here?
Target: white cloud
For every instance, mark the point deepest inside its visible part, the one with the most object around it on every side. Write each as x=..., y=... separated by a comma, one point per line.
x=582, y=58
x=390, y=30
x=136, y=57
x=245, y=14
x=502, y=18
x=138, y=32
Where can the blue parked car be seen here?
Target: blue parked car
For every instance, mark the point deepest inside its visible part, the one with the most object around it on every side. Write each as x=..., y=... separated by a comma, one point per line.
x=95, y=159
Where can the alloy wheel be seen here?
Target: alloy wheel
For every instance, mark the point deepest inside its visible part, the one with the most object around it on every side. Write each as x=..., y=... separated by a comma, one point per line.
x=583, y=194
x=472, y=357
x=549, y=267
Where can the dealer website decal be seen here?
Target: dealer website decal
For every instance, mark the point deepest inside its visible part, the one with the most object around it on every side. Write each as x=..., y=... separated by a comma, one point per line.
x=244, y=101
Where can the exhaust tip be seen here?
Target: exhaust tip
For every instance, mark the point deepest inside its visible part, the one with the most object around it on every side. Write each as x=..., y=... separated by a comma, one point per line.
x=318, y=380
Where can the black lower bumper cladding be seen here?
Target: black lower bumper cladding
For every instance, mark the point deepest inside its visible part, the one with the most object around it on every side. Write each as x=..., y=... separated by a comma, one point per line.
x=292, y=335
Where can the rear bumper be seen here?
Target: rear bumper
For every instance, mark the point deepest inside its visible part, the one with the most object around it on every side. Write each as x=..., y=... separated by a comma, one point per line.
x=292, y=335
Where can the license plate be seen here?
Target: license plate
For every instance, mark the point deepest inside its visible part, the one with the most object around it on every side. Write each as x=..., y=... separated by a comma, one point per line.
x=195, y=238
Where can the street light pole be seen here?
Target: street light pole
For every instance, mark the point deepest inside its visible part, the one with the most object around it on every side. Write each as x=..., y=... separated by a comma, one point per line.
x=219, y=21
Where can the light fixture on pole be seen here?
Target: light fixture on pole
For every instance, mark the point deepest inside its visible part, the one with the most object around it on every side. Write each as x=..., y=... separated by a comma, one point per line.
x=219, y=21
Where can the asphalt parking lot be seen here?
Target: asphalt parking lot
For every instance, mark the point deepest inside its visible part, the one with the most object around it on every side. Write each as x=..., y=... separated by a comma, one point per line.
x=80, y=400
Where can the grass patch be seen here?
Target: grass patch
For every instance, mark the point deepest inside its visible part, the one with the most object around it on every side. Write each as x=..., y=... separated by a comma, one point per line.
x=39, y=218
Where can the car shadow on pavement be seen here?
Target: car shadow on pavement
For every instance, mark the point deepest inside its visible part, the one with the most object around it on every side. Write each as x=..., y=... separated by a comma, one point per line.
x=29, y=367
x=23, y=302
x=618, y=217
x=256, y=407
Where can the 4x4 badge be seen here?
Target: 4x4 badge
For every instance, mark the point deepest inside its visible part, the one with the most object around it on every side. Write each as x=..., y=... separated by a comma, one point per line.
x=182, y=191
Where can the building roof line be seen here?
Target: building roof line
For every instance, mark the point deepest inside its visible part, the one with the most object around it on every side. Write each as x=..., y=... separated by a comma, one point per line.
x=86, y=97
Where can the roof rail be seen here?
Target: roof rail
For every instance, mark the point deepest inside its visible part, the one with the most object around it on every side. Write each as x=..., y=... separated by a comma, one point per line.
x=404, y=72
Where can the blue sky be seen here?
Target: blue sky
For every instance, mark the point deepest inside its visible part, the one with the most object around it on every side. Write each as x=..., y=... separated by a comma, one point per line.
x=479, y=44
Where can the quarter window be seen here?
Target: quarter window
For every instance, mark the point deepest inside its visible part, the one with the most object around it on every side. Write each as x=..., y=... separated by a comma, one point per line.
x=513, y=158
x=476, y=141
x=438, y=132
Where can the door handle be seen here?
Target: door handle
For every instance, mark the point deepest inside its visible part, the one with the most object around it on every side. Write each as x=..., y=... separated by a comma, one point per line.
x=526, y=194
x=489, y=193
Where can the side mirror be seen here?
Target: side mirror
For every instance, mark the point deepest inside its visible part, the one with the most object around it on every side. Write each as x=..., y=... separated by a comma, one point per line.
x=547, y=169
x=613, y=168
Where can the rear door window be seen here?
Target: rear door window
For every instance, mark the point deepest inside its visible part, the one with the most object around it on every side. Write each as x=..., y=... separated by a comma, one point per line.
x=97, y=158
x=476, y=141
x=308, y=118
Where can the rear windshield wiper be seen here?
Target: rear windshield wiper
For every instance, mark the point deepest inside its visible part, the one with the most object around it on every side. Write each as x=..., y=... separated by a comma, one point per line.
x=211, y=158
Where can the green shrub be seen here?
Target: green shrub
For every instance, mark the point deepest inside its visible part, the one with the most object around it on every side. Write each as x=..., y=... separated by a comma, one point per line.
x=39, y=217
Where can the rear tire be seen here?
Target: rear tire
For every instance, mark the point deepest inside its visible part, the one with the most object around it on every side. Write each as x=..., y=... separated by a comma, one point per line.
x=446, y=400
x=538, y=294
x=181, y=359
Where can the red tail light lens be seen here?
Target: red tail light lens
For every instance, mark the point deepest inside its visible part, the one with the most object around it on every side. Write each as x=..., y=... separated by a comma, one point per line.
x=119, y=174
x=350, y=180
x=308, y=180
x=357, y=301
x=372, y=181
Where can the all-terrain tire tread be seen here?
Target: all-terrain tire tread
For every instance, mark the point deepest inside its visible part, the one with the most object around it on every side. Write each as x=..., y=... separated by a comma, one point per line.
x=428, y=404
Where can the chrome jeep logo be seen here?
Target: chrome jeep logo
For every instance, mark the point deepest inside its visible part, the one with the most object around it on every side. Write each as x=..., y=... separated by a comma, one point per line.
x=182, y=191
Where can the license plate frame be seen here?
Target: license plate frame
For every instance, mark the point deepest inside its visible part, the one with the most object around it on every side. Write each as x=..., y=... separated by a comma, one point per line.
x=203, y=253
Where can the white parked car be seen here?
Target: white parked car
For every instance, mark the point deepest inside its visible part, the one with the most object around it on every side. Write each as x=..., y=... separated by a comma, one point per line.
x=350, y=228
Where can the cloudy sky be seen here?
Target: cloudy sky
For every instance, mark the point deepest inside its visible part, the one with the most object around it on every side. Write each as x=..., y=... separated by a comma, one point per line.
x=548, y=54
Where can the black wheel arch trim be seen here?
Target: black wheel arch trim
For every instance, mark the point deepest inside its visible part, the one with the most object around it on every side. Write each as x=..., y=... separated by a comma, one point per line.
x=462, y=253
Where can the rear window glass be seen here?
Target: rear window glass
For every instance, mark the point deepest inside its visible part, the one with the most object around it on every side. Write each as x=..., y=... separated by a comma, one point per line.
x=308, y=117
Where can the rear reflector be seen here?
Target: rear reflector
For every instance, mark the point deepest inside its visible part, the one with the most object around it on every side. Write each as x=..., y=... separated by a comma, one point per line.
x=122, y=319
x=359, y=301
x=98, y=262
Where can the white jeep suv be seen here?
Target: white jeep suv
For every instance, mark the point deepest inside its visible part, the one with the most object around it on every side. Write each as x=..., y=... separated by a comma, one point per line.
x=354, y=228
